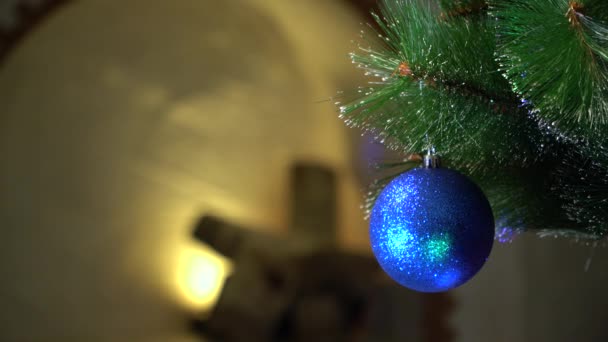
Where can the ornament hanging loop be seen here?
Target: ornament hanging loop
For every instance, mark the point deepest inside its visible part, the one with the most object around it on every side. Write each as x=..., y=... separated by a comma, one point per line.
x=431, y=160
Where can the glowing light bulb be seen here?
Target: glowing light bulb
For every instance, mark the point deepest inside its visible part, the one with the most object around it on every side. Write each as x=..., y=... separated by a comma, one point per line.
x=201, y=276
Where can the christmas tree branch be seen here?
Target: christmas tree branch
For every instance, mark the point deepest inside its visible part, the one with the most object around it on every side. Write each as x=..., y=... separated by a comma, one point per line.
x=556, y=56
x=453, y=9
x=501, y=103
x=517, y=113
x=432, y=79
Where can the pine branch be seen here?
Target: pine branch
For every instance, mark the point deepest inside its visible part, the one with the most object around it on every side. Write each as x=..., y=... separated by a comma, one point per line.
x=522, y=140
x=555, y=54
x=500, y=103
x=451, y=8
x=438, y=79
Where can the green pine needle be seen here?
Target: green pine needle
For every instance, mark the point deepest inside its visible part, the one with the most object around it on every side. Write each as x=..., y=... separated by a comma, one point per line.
x=555, y=54
x=435, y=79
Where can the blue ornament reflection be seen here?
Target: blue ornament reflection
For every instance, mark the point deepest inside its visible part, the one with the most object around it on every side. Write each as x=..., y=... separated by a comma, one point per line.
x=431, y=229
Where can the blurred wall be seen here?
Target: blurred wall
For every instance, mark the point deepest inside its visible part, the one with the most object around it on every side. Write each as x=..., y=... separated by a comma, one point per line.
x=123, y=121
x=537, y=289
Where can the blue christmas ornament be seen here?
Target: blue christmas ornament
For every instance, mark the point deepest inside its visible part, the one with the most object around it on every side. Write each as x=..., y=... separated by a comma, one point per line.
x=431, y=228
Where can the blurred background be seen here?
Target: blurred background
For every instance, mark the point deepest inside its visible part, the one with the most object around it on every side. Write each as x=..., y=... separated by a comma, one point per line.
x=176, y=171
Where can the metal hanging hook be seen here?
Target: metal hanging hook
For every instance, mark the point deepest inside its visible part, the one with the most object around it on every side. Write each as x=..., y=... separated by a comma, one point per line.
x=430, y=159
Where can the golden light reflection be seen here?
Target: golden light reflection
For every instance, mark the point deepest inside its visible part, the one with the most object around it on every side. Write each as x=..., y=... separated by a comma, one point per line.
x=201, y=276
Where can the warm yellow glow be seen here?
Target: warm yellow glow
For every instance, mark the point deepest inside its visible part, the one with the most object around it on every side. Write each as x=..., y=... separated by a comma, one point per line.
x=201, y=276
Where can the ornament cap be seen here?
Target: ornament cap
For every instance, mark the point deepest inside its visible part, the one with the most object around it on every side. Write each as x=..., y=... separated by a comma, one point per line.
x=431, y=160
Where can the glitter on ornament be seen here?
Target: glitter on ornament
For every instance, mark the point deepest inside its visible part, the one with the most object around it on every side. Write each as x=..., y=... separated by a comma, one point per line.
x=431, y=229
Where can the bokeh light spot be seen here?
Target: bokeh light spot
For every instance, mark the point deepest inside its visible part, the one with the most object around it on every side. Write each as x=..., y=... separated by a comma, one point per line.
x=201, y=276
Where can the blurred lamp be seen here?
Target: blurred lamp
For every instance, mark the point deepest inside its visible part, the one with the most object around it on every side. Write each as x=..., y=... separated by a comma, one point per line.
x=201, y=276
